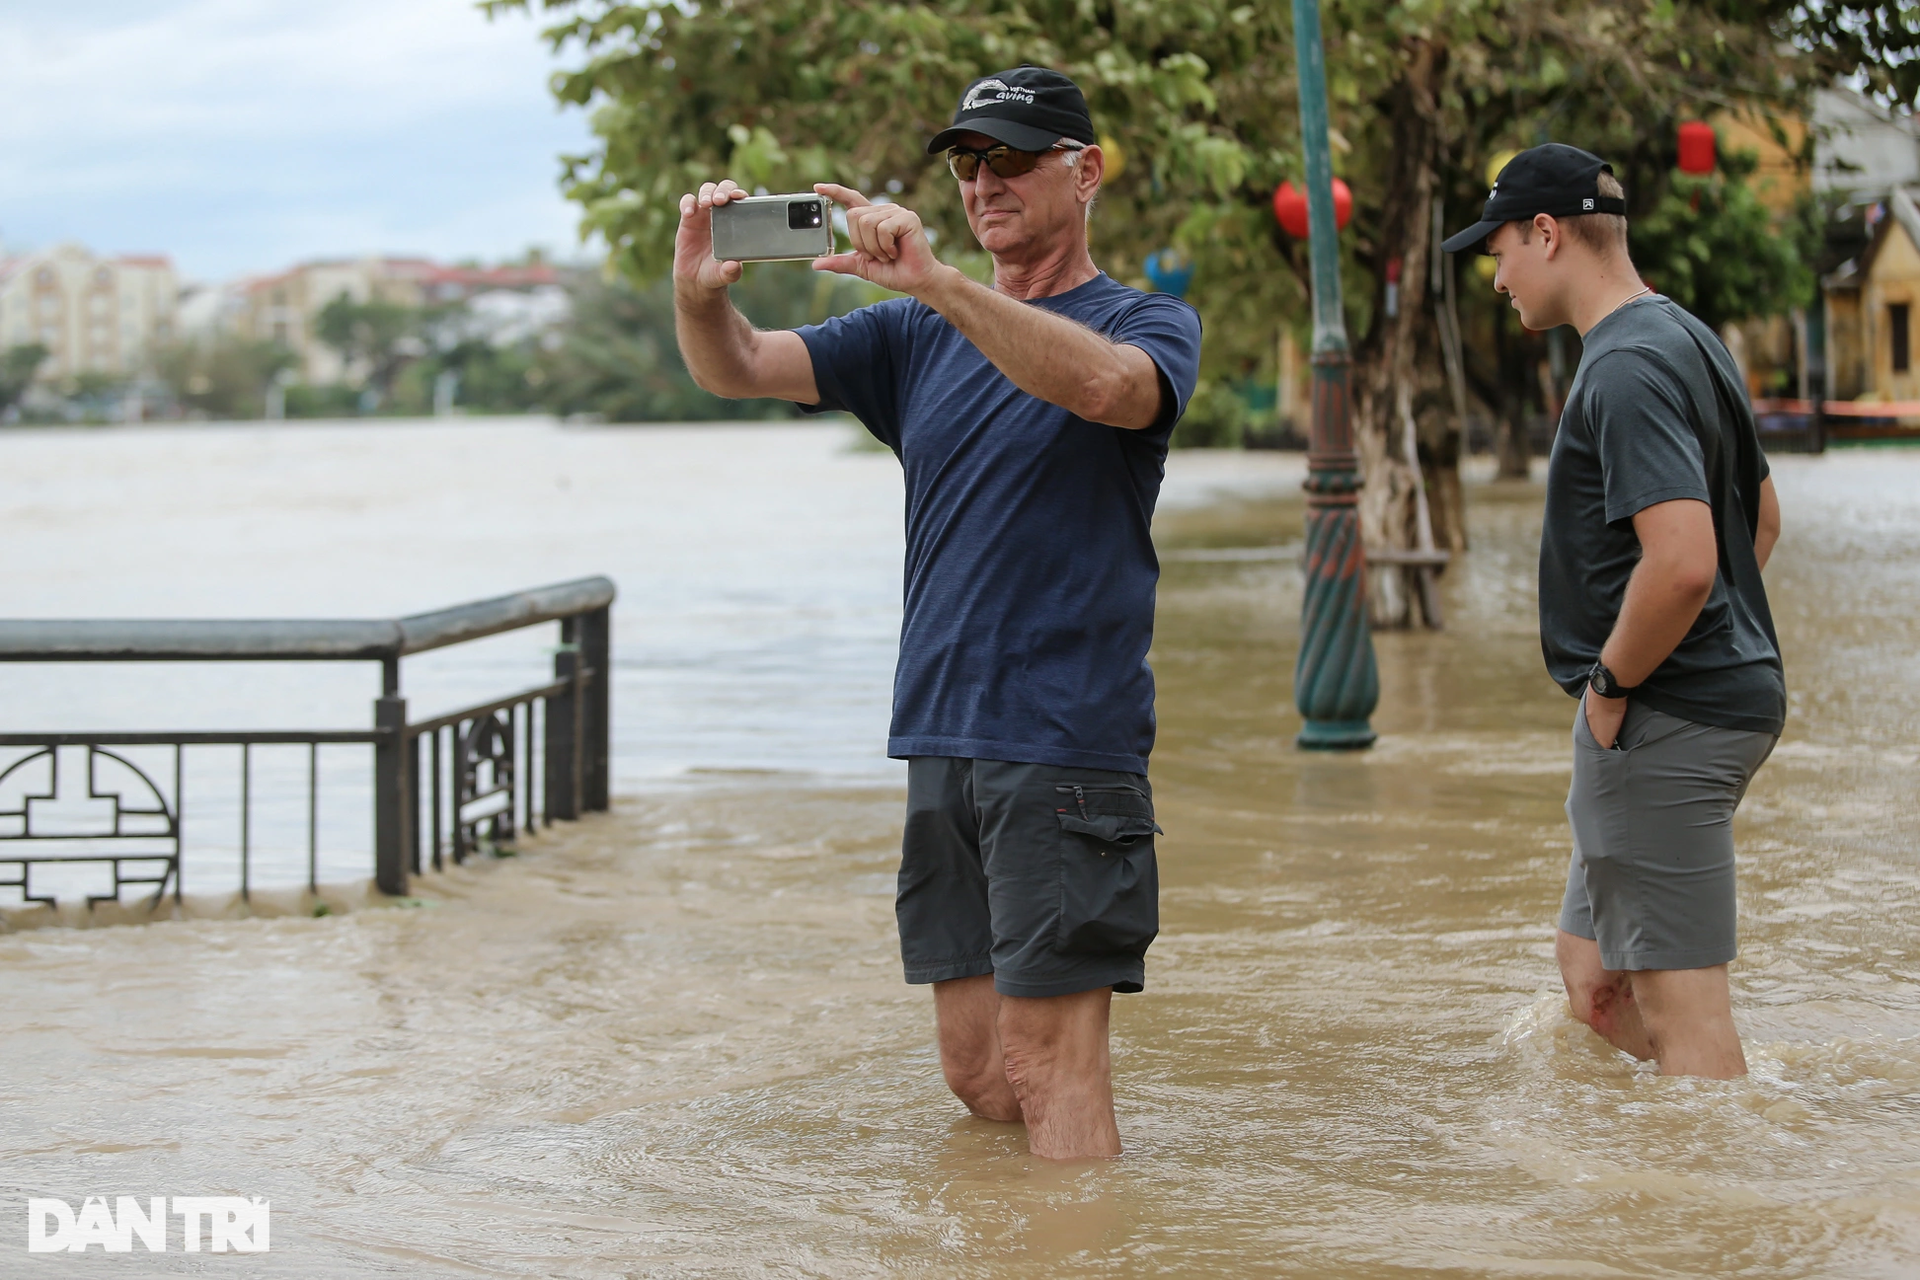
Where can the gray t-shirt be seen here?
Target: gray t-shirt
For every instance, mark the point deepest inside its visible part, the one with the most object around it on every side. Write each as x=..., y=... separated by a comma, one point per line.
x=1656, y=412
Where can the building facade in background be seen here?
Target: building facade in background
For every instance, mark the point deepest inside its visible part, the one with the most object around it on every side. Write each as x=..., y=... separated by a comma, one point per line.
x=1865, y=172
x=285, y=308
x=1870, y=307
x=93, y=315
x=1869, y=158
x=1861, y=146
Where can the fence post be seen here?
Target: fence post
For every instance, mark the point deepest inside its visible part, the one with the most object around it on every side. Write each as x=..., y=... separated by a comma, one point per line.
x=392, y=809
x=411, y=809
x=596, y=653
x=563, y=730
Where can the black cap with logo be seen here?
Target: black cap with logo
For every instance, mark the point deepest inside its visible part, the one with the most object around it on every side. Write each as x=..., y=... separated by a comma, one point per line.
x=1028, y=108
x=1553, y=178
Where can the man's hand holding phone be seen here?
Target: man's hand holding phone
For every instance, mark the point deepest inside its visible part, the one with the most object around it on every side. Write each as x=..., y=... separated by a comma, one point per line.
x=693, y=263
x=889, y=244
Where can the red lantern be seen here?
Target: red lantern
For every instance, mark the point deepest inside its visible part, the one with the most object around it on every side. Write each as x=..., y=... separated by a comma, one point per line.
x=1342, y=205
x=1696, y=147
x=1290, y=208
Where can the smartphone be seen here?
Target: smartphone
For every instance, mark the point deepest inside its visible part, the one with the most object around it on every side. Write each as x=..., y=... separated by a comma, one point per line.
x=771, y=228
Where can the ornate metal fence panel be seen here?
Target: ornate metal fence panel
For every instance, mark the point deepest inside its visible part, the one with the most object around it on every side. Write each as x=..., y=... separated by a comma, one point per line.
x=100, y=809
x=475, y=774
x=491, y=772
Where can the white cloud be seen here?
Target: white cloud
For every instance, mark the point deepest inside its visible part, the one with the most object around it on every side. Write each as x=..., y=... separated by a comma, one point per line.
x=241, y=135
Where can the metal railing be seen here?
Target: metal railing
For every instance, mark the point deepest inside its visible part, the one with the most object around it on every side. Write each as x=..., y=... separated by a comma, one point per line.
x=468, y=780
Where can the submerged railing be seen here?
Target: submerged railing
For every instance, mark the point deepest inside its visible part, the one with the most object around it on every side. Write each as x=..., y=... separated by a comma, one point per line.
x=450, y=785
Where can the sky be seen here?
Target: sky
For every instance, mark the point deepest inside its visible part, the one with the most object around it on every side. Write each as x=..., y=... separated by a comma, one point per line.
x=242, y=136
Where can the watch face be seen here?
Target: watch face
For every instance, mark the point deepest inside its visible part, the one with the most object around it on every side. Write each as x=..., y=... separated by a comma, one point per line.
x=1602, y=681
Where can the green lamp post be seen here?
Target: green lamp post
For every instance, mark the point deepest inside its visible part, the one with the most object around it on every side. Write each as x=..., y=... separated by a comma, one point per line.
x=1335, y=682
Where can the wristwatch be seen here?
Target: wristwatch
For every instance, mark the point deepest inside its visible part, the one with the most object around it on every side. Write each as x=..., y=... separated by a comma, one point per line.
x=1602, y=682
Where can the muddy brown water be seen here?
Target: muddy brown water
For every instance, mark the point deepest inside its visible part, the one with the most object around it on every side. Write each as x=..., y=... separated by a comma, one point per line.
x=673, y=1041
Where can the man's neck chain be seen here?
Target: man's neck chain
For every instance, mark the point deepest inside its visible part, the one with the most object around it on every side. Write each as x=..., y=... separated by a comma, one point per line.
x=1645, y=288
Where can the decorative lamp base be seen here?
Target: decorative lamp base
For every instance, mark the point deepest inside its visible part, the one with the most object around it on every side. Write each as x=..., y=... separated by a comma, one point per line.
x=1336, y=735
x=1335, y=682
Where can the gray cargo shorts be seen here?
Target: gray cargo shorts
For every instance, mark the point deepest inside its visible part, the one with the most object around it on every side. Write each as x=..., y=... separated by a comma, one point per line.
x=1652, y=873
x=1041, y=875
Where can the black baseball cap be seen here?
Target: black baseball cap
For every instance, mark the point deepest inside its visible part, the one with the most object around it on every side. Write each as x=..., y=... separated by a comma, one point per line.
x=1028, y=108
x=1552, y=178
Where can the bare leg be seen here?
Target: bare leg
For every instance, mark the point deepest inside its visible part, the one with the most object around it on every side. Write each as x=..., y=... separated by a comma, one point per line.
x=1689, y=1018
x=967, y=1013
x=1600, y=997
x=1056, y=1058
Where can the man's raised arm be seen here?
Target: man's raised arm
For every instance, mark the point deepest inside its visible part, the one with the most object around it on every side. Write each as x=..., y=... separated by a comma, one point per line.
x=1056, y=359
x=1048, y=356
x=725, y=354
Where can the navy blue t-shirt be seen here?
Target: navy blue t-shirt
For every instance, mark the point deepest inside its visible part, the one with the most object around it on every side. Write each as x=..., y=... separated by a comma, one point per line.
x=1030, y=570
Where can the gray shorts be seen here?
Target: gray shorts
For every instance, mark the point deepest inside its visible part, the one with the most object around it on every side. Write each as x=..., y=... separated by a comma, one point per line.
x=1652, y=874
x=1041, y=875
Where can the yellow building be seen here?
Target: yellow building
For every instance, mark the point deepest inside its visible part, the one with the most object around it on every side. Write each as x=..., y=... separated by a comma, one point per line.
x=1871, y=304
x=93, y=315
x=1780, y=178
x=283, y=308
x=1863, y=156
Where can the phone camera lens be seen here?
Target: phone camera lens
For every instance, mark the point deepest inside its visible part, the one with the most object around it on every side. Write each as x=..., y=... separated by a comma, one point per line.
x=804, y=215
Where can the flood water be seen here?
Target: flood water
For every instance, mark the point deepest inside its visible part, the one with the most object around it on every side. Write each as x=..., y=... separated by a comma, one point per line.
x=673, y=1040
x=758, y=570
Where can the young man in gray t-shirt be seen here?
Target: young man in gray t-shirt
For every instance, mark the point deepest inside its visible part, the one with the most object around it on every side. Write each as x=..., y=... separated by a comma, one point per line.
x=1660, y=516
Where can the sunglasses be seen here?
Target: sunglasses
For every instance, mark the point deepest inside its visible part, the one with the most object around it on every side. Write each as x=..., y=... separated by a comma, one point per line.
x=1005, y=161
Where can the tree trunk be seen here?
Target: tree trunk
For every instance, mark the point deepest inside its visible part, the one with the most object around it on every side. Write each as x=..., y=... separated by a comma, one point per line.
x=1441, y=444
x=1398, y=375
x=1510, y=443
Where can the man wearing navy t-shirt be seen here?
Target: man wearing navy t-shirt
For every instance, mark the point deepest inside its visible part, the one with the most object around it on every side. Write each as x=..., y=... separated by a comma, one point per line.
x=1032, y=421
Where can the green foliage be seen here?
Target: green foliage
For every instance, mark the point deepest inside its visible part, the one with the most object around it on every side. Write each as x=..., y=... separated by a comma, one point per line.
x=783, y=93
x=1200, y=97
x=307, y=400
x=1714, y=248
x=18, y=364
x=491, y=379
x=617, y=358
x=377, y=334
x=401, y=353
x=223, y=376
x=92, y=386
x=1878, y=42
x=1217, y=418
